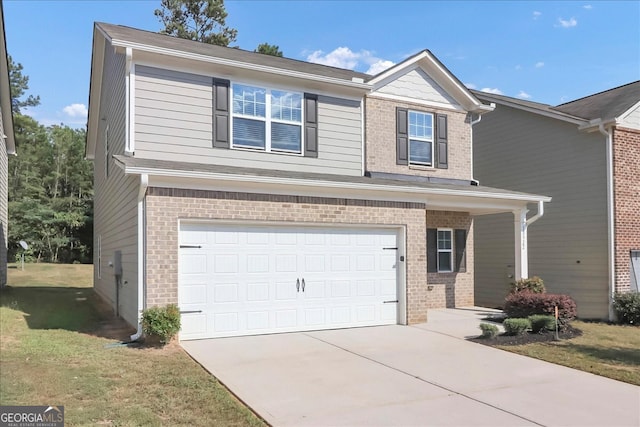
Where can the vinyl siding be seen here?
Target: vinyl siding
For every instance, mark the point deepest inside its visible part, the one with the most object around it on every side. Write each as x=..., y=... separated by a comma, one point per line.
x=418, y=85
x=115, y=200
x=521, y=151
x=173, y=121
x=632, y=121
x=4, y=214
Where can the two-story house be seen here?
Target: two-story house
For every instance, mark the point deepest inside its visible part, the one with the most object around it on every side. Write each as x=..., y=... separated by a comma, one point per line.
x=7, y=146
x=264, y=194
x=586, y=155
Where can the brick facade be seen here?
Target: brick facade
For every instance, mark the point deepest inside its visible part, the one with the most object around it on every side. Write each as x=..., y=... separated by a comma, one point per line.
x=381, y=140
x=164, y=207
x=626, y=183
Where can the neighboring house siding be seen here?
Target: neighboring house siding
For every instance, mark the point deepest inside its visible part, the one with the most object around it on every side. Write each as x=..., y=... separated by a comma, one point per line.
x=626, y=170
x=115, y=204
x=4, y=214
x=452, y=289
x=418, y=85
x=526, y=152
x=173, y=121
x=381, y=140
x=166, y=206
x=632, y=120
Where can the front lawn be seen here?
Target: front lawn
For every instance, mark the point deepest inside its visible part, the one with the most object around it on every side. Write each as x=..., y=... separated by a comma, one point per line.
x=54, y=350
x=609, y=350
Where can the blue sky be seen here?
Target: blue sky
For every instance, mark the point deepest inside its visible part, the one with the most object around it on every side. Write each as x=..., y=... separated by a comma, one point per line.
x=550, y=51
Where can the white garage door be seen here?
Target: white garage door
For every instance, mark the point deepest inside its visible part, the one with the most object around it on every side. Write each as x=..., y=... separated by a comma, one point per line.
x=246, y=280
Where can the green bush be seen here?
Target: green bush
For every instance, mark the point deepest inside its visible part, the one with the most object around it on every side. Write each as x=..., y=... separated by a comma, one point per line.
x=516, y=326
x=542, y=322
x=488, y=330
x=627, y=307
x=532, y=284
x=161, y=322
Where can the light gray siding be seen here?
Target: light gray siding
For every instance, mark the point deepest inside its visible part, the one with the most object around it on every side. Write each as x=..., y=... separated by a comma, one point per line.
x=173, y=121
x=418, y=85
x=632, y=120
x=115, y=200
x=522, y=151
x=4, y=213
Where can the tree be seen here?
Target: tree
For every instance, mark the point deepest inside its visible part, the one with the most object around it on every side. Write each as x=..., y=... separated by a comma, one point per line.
x=200, y=20
x=19, y=85
x=269, y=49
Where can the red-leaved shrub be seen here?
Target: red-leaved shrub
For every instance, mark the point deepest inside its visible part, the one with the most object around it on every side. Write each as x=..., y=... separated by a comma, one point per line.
x=525, y=304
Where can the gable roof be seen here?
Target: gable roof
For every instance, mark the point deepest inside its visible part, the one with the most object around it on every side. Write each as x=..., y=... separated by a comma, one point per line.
x=441, y=74
x=5, y=91
x=140, y=39
x=605, y=105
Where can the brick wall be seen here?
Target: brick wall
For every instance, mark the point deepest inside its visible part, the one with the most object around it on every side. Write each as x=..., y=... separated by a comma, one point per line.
x=381, y=140
x=626, y=178
x=452, y=289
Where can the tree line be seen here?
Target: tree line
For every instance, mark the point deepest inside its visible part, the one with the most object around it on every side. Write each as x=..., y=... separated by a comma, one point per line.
x=50, y=182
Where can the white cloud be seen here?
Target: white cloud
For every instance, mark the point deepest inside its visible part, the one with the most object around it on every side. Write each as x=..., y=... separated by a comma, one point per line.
x=470, y=86
x=343, y=57
x=518, y=67
x=588, y=6
x=494, y=90
x=74, y=111
x=524, y=95
x=379, y=66
x=567, y=23
x=539, y=64
x=536, y=14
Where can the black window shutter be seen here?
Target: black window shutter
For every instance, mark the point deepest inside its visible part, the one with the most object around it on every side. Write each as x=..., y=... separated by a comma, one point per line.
x=220, y=113
x=402, y=136
x=310, y=125
x=432, y=250
x=441, y=141
x=461, y=254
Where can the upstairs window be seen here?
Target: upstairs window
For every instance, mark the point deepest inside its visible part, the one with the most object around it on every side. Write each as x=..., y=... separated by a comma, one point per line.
x=420, y=138
x=266, y=119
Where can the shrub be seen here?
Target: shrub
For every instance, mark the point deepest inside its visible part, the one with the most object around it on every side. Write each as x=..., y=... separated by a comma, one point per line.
x=533, y=284
x=525, y=304
x=627, y=307
x=542, y=322
x=516, y=326
x=488, y=330
x=161, y=322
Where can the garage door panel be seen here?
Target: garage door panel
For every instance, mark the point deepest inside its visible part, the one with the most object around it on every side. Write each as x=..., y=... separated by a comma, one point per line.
x=248, y=277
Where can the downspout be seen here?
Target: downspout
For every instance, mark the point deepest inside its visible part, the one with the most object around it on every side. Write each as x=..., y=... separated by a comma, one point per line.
x=363, y=136
x=610, y=213
x=144, y=183
x=128, y=150
x=521, y=239
x=474, y=122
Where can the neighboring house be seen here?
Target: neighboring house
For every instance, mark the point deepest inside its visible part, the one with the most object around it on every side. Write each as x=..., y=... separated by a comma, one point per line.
x=586, y=155
x=265, y=194
x=7, y=146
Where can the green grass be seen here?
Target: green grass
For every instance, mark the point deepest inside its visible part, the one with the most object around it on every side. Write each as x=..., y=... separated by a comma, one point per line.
x=609, y=350
x=52, y=352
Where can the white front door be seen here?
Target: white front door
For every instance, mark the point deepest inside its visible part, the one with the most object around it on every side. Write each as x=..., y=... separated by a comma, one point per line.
x=246, y=280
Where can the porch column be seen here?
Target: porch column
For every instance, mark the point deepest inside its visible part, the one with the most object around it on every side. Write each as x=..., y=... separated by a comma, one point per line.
x=520, y=234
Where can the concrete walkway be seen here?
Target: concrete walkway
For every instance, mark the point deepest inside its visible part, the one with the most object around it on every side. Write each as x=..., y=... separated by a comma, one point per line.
x=423, y=375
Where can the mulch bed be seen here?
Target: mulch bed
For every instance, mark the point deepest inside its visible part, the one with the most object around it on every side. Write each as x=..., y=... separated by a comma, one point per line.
x=529, y=337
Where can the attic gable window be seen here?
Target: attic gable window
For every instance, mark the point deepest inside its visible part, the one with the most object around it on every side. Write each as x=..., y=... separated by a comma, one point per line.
x=420, y=138
x=266, y=119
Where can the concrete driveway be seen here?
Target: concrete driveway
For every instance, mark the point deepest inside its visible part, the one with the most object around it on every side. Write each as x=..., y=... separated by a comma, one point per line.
x=408, y=376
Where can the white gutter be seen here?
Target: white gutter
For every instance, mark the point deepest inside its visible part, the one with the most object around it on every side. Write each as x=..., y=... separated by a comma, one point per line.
x=474, y=122
x=537, y=215
x=128, y=150
x=362, y=136
x=610, y=213
x=239, y=64
x=521, y=239
x=332, y=184
x=144, y=183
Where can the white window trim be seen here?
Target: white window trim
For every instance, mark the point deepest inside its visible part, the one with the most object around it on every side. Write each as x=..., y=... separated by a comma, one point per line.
x=267, y=120
x=439, y=251
x=409, y=138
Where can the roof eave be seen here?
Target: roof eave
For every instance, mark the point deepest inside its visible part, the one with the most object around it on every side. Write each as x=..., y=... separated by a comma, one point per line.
x=95, y=90
x=542, y=112
x=5, y=89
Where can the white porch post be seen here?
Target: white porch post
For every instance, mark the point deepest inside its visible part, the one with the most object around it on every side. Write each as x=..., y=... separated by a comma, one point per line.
x=520, y=234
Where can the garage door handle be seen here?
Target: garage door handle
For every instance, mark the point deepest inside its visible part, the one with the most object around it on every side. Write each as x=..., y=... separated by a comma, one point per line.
x=389, y=302
x=297, y=285
x=303, y=285
x=190, y=246
x=190, y=311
